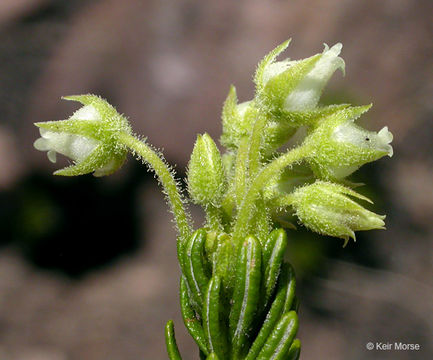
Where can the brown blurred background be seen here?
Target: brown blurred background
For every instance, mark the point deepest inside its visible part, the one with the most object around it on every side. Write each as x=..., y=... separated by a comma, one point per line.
x=88, y=267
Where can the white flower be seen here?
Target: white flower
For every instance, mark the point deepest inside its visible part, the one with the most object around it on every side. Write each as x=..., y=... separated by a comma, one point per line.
x=339, y=146
x=307, y=93
x=351, y=133
x=88, y=137
x=73, y=146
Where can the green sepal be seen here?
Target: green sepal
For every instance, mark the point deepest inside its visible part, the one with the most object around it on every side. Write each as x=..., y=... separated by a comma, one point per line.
x=206, y=177
x=294, y=351
x=307, y=117
x=283, y=124
x=95, y=160
x=278, y=343
x=245, y=296
x=87, y=128
x=107, y=111
x=328, y=208
x=213, y=325
x=267, y=60
x=279, y=87
x=170, y=342
x=281, y=304
x=195, y=270
x=237, y=120
x=230, y=119
x=273, y=255
x=190, y=320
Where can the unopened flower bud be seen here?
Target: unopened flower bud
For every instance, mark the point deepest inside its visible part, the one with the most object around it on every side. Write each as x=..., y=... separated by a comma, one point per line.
x=206, y=172
x=88, y=137
x=237, y=119
x=327, y=209
x=338, y=147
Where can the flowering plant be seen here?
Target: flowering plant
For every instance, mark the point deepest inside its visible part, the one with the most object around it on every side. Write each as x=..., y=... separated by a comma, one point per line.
x=237, y=294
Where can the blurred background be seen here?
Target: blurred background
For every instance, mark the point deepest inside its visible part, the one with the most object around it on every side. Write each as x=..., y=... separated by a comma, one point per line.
x=88, y=266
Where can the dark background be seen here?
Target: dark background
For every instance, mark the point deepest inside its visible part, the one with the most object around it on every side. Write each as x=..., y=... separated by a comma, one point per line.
x=88, y=268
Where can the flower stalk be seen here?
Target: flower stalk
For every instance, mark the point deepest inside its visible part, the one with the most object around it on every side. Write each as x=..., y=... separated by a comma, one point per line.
x=165, y=176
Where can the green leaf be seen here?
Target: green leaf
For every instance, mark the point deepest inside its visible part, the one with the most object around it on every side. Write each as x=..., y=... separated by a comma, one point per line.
x=246, y=296
x=190, y=320
x=280, y=305
x=281, y=338
x=224, y=262
x=213, y=325
x=273, y=254
x=195, y=269
x=294, y=351
x=170, y=341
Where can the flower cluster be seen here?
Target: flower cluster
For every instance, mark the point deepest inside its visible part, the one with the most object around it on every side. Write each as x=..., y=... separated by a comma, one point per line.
x=237, y=292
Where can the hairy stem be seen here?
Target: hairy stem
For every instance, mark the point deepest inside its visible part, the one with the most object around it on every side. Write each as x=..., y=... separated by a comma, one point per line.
x=241, y=171
x=255, y=145
x=213, y=217
x=270, y=170
x=165, y=176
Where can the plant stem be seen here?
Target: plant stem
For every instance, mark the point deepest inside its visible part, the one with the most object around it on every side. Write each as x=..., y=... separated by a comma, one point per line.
x=257, y=185
x=241, y=171
x=213, y=217
x=255, y=145
x=166, y=178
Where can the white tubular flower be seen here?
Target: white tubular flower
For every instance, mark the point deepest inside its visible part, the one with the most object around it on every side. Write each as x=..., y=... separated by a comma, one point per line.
x=338, y=146
x=307, y=93
x=88, y=138
x=294, y=86
x=75, y=147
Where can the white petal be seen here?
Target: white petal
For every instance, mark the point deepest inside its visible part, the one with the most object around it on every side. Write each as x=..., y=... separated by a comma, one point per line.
x=107, y=168
x=275, y=69
x=73, y=146
x=52, y=156
x=87, y=112
x=342, y=171
x=41, y=144
x=385, y=138
x=349, y=132
x=306, y=95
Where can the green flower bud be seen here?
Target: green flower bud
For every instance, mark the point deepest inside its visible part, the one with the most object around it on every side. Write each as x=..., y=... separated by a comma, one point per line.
x=338, y=147
x=327, y=209
x=237, y=119
x=287, y=86
x=88, y=137
x=206, y=183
